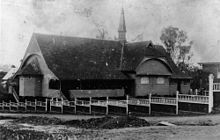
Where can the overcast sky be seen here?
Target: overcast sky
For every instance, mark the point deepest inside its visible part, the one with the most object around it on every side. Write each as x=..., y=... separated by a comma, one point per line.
x=20, y=18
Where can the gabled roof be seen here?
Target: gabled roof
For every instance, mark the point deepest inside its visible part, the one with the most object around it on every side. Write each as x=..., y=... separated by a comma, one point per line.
x=134, y=53
x=31, y=69
x=10, y=73
x=83, y=58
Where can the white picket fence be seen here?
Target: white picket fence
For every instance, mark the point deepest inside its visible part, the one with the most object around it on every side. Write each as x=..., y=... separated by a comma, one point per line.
x=108, y=102
x=216, y=87
x=60, y=104
x=193, y=99
x=99, y=102
x=139, y=102
x=164, y=100
x=25, y=105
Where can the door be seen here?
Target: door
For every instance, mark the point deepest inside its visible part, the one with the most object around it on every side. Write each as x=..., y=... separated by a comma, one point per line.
x=179, y=86
x=30, y=86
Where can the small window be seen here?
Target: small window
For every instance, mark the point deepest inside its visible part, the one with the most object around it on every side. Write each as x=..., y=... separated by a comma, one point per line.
x=145, y=80
x=160, y=80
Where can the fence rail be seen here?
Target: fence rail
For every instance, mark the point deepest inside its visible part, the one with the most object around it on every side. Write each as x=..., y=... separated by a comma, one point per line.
x=69, y=103
x=83, y=103
x=14, y=104
x=21, y=104
x=29, y=103
x=61, y=105
x=56, y=103
x=121, y=103
x=99, y=102
x=39, y=103
x=194, y=98
x=164, y=100
x=143, y=102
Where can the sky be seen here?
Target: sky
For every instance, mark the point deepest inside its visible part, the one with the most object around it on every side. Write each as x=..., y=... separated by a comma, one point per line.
x=21, y=18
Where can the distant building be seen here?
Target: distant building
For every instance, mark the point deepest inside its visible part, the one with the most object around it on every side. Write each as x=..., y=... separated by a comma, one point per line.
x=54, y=66
x=212, y=67
x=8, y=77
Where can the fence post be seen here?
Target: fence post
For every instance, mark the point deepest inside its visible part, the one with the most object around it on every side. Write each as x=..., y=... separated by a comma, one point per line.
x=62, y=105
x=191, y=91
x=3, y=105
x=177, y=102
x=127, y=111
x=196, y=91
x=149, y=111
x=46, y=105
x=90, y=105
x=35, y=105
x=107, y=105
x=50, y=104
x=10, y=106
x=211, y=77
x=25, y=102
x=75, y=104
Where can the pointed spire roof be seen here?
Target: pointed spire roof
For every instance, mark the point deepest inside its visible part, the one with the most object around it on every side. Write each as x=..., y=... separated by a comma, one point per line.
x=122, y=26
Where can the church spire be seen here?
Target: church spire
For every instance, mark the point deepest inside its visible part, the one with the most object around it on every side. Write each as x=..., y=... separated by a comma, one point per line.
x=122, y=27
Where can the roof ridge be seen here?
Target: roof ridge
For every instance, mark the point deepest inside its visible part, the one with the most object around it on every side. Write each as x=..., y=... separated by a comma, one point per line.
x=55, y=35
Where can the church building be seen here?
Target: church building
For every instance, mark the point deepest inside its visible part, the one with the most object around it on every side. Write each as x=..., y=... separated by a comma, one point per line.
x=66, y=67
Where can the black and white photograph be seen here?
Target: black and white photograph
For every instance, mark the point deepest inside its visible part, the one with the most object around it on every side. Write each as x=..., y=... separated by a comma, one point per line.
x=110, y=70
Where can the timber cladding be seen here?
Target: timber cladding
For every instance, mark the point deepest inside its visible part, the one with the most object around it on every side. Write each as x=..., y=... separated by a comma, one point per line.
x=152, y=87
x=169, y=109
x=193, y=107
x=30, y=86
x=138, y=109
x=216, y=99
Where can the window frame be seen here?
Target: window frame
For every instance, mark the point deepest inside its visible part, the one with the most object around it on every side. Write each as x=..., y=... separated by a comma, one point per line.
x=144, y=79
x=160, y=83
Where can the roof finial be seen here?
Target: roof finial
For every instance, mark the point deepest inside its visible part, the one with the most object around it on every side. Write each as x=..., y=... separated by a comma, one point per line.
x=122, y=27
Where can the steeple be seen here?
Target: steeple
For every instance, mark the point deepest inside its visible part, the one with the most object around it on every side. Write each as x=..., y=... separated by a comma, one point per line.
x=122, y=27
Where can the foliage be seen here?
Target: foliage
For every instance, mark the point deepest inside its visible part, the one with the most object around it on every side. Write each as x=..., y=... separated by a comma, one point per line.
x=199, y=78
x=2, y=89
x=177, y=45
x=102, y=33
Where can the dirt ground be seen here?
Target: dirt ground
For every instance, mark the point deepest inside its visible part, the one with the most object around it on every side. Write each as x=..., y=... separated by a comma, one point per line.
x=187, y=128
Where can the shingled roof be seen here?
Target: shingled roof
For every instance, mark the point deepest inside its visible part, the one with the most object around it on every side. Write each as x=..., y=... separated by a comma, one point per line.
x=83, y=58
x=134, y=53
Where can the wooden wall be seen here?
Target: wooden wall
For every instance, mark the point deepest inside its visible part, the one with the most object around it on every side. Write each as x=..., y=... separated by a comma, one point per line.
x=152, y=69
x=152, y=87
x=30, y=86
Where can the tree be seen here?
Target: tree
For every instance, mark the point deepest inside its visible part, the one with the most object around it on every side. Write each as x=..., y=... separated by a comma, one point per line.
x=177, y=45
x=102, y=33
